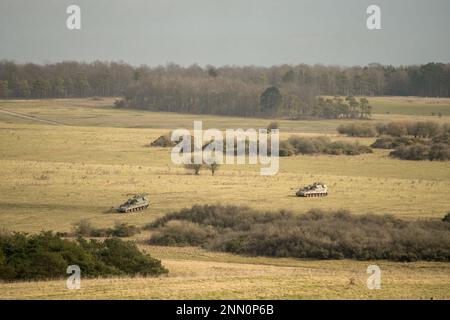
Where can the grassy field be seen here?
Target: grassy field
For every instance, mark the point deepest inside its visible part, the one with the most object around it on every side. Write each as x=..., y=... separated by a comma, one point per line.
x=196, y=274
x=410, y=106
x=89, y=157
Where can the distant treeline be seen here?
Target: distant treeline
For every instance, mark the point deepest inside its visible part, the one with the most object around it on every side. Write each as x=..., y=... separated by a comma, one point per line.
x=316, y=234
x=231, y=90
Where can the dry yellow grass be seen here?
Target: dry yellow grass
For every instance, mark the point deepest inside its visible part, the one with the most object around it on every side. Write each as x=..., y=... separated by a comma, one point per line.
x=195, y=274
x=53, y=176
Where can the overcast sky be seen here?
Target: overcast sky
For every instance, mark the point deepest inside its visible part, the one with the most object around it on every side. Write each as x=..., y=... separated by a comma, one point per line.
x=226, y=32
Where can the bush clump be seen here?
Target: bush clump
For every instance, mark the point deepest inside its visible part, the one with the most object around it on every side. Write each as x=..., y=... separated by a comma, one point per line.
x=413, y=148
x=419, y=129
x=387, y=142
x=320, y=145
x=433, y=152
x=346, y=148
x=47, y=256
x=316, y=234
x=85, y=229
x=446, y=217
x=443, y=138
x=163, y=142
x=183, y=233
x=357, y=130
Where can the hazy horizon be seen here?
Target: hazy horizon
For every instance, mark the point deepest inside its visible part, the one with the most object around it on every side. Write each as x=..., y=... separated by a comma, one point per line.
x=257, y=32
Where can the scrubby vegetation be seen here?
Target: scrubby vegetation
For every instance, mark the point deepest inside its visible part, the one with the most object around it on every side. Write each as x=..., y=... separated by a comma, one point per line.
x=320, y=145
x=183, y=233
x=411, y=140
x=419, y=129
x=84, y=228
x=273, y=126
x=163, y=142
x=316, y=234
x=357, y=130
x=46, y=256
x=411, y=148
x=293, y=146
x=433, y=152
x=446, y=217
x=387, y=142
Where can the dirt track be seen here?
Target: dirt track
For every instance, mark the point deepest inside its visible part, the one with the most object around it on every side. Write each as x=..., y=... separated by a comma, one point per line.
x=25, y=116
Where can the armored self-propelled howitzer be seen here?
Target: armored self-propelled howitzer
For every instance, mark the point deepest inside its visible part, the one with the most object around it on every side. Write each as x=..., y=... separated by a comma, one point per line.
x=136, y=203
x=313, y=190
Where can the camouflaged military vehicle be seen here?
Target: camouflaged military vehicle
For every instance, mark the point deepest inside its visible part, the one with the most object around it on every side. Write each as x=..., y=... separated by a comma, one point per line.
x=136, y=203
x=314, y=190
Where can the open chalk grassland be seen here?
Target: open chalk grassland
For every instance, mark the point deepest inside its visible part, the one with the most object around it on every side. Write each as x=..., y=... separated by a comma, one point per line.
x=196, y=274
x=99, y=112
x=54, y=175
x=411, y=105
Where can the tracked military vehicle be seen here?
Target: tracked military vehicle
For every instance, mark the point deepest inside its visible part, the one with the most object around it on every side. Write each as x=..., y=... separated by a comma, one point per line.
x=136, y=203
x=314, y=190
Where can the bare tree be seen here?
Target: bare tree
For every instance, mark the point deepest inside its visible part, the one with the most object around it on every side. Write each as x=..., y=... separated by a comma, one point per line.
x=194, y=167
x=213, y=167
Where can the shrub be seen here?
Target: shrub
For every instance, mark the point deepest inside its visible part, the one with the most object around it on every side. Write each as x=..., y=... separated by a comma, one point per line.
x=182, y=233
x=394, y=142
x=414, y=152
x=346, y=148
x=383, y=143
x=123, y=230
x=85, y=229
x=46, y=256
x=357, y=130
x=436, y=151
x=422, y=129
x=396, y=129
x=316, y=145
x=120, y=103
x=316, y=234
x=286, y=149
x=163, y=142
x=443, y=138
x=440, y=152
x=446, y=217
x=446, y=128
x=307, y=145
x=126, y=257
x=272, y=126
